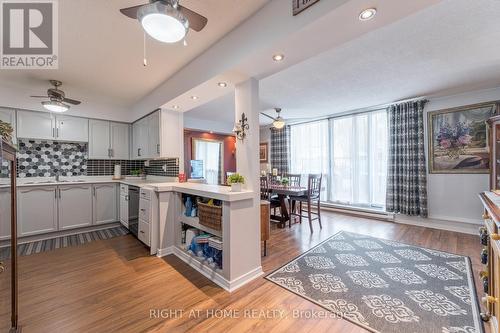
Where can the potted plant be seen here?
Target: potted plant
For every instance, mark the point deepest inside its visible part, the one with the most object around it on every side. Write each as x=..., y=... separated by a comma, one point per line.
x=236, y=180
x=285, y=181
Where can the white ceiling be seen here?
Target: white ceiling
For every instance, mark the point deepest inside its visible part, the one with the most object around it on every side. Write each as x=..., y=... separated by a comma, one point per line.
x=101, y=51
x=449, y=48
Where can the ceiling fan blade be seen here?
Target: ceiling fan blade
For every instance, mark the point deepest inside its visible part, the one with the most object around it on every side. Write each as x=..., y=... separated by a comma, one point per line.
x=39, y=96
x=131, y=11
x=71, y=101
x=196, y=21
x=268, y=116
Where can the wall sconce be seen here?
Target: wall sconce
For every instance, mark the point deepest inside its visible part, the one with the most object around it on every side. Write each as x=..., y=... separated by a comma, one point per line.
x=241, y=127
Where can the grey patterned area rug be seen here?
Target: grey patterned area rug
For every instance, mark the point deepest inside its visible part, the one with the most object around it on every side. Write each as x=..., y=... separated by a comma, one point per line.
x=386, y=286
x=63, y=241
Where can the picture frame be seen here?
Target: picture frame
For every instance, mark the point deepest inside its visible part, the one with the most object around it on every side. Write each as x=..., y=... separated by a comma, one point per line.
x=458, y=139
x=263, y=152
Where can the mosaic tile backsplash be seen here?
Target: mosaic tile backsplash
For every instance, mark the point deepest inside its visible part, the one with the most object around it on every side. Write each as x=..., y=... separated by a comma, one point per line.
x=38, y=158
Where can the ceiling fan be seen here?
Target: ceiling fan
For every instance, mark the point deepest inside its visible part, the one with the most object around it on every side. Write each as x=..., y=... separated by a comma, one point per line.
x=278, y=122
x=57, y=98
x=166, y=20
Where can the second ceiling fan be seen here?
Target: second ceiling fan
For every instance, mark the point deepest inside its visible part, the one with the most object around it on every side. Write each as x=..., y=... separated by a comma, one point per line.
x=166, y=20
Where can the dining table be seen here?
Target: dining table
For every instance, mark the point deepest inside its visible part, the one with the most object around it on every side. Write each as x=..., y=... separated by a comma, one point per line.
x=283, y=192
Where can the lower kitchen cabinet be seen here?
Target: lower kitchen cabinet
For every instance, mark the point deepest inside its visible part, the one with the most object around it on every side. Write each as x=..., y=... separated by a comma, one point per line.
x=75, y=206
x=36, y=210
x=5, y=213
x=105, y=198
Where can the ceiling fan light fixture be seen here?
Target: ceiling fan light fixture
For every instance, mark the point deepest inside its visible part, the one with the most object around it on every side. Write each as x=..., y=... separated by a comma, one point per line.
x=279, y=123
x=55, y=106
x=163, y=22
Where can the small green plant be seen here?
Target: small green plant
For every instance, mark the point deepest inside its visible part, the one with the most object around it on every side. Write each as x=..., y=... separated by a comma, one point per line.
x=136, y=172
x=236, y=179
x=285, y=181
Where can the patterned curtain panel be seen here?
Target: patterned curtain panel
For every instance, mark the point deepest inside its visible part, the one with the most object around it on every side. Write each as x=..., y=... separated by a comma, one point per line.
x=406, y=177
x=280, y=152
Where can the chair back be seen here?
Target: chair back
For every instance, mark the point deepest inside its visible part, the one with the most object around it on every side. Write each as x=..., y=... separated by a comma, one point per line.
x=273, y=180
x=264, y=188
x=294, y=179
x=314, y=186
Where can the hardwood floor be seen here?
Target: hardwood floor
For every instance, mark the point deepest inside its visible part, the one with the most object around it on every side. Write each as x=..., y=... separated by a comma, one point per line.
x=112, y=285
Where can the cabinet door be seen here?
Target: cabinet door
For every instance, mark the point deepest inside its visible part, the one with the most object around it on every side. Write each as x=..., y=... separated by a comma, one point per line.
x=9, y=116
x=72, y=128
x=36, y=210
x=35, y=125
x=154, y=127
x=172, y=133
x=75, y=206
x=119, y=141
x=99, y=134
x=5, y=213
x=124, y=210
x=140, y=139
x=105, y=203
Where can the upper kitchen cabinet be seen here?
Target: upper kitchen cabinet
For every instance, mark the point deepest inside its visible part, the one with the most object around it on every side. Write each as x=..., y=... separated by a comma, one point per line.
x=46, y=126
x=72, y=128
x=158, y=135
x=9, y=116
x=108, y=140
x=36, y=125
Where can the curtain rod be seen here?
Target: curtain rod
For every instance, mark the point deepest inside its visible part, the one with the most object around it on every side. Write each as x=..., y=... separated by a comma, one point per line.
x=379, y=107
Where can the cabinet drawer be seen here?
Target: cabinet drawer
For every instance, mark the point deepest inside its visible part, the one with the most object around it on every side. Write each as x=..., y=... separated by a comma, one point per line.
x=144, y=232
x=123, y=189
x=145, y=194
x=144, y=210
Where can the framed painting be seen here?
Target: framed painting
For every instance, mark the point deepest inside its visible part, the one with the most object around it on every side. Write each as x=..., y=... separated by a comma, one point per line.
x=458, y=139
x=263, y=150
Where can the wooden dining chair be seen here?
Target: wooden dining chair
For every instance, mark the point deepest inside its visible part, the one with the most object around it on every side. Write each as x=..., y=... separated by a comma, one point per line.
x=265, y=194
x=312, y=196
x=294, y=181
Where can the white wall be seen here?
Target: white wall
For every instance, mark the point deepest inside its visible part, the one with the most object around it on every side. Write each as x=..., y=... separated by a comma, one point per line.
x=454, y=197
x=208, y=125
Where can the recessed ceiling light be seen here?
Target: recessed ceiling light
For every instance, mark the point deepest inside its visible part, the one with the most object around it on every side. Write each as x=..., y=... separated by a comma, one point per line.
x=367, y=14
x=176, y=107
x=194, y=98
x=222, y=84
x=278, y=57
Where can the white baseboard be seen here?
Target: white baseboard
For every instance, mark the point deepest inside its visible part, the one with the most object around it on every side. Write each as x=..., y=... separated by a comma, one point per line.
x=215, y=276
x=462, y=227
x=165, y=252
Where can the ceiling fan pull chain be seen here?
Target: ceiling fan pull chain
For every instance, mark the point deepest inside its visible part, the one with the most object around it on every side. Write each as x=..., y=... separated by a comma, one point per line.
x=145, y=60
x=184, y=42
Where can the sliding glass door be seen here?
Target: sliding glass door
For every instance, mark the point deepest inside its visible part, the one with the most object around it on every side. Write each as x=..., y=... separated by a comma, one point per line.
x=351, y=152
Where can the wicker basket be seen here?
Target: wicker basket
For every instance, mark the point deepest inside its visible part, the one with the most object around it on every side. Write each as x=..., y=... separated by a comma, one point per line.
x=210, y=216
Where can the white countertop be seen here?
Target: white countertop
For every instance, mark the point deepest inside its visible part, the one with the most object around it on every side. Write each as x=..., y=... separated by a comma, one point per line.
x=156, y=183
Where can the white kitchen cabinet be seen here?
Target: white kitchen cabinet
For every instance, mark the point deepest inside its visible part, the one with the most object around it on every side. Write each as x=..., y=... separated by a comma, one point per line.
x=159, y=135
x=36, y=210
x=154, y=127
x=140, y=139
x=5, y=213
x=119, y=140
x=99, y=133
x=9, y=116
x=36, y=125
x=74, y=206
x=46, y=126
x=74, y=129
x=105, y=203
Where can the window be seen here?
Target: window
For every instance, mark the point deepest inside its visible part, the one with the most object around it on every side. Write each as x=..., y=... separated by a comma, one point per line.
x=210, y=153
x=309, y=151
x=351, y=153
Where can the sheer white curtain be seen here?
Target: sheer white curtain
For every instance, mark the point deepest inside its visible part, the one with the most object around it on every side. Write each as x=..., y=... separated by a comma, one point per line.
x=210, y=153
x=359, y=159
x=309, y=146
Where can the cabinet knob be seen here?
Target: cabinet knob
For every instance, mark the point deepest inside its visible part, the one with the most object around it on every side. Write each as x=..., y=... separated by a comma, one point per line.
x=486, y=216
x=483, y=274
x=495, y=236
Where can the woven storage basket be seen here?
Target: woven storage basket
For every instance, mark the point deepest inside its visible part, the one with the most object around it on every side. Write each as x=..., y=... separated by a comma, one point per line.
x=210, y=216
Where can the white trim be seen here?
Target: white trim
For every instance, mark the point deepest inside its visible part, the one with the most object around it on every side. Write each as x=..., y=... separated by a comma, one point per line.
x=357, y=211
x=165, y=252
x=213, y=275
x=466, y=228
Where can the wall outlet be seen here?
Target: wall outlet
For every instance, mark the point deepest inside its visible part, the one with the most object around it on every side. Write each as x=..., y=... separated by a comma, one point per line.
x=146, y=163
x=164, y=167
